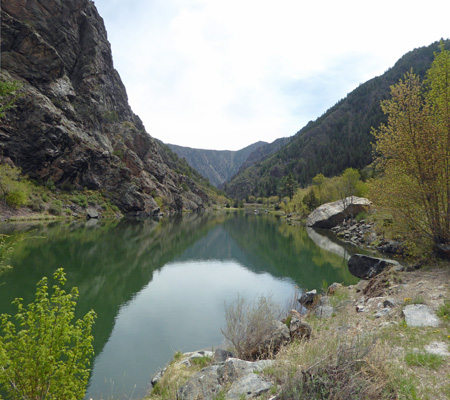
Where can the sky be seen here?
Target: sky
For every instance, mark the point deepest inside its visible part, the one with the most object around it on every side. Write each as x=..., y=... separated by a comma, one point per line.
x=223, y=74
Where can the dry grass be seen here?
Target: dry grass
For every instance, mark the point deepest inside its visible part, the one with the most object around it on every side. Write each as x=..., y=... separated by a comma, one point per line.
x=337, y=363
x=372, y=358
x=248, y=327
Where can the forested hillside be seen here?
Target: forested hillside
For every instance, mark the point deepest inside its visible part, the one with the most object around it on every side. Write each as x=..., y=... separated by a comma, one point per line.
x=339, y=139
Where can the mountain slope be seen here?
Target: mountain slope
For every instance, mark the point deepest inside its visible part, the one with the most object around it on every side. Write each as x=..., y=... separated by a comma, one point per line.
x=73, y=124
x=339, y=139
x=216, y=165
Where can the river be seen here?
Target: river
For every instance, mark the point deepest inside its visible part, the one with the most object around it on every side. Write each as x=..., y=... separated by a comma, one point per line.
x=161, y=287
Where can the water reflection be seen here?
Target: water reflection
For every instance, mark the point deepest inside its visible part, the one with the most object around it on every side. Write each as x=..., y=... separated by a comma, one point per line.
x=158, y=287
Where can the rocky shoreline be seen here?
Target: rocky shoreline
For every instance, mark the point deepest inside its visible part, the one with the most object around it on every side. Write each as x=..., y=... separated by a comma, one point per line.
x=387, y=301
x=388, y=297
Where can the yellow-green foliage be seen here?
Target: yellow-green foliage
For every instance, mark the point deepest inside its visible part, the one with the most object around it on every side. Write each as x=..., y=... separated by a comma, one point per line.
x=324, y=190
x=8, y=95
x=14, y=187
x=414, y=154
x=45, y=354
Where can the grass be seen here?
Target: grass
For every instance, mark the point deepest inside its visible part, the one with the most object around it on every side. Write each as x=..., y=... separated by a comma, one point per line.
x=201, y=362
x=427, y=360
x=443, y=311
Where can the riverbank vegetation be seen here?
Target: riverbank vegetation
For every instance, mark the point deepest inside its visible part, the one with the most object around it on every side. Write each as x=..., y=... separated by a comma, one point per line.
x=43, y=353
x=23, y=198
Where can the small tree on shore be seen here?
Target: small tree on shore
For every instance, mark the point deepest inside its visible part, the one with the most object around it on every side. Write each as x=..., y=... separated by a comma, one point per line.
x=413, y=153
x=44, y=355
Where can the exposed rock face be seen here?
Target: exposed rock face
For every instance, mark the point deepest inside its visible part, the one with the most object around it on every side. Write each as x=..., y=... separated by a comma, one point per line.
x=73, y=124
x=331, y=214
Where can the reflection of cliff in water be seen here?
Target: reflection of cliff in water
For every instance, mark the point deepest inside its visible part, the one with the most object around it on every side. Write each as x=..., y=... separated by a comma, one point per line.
x=109, y=262
x=264, y=244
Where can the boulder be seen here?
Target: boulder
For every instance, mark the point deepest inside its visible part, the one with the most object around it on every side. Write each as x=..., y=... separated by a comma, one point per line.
x=366, y=267
x=237, y=377
x=438, y=348
x=249, y=386
x=331, y=214
x=308, y=298
x=221, y=356
x=324, y=311
x=203, y=385
x=420, y=315
x=91, y=213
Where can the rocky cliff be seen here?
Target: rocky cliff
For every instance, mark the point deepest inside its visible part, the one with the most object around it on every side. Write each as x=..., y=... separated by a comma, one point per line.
x=73, y=124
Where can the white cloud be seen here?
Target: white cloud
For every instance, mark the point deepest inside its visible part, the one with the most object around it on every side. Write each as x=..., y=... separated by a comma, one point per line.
x=224, y=74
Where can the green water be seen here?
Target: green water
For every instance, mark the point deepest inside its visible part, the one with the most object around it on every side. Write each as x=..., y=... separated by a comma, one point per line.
x=160, y=287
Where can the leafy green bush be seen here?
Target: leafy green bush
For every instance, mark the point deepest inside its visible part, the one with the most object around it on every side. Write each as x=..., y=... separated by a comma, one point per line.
x=81, y=200
x=361, y=216
x=14, y=187
x=36, y=204
x=44, y=355
x=16, y=198
x=55, y=208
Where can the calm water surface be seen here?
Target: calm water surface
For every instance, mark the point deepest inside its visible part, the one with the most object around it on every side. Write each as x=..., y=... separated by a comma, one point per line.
x=162, y=287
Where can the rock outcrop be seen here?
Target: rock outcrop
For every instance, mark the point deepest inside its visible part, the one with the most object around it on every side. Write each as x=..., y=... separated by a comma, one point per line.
x=366, y=267
x=72, y=124
x=331, y=214
x=237, y=378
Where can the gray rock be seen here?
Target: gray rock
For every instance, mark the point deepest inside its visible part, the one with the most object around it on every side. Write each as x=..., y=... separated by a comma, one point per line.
x=234, y=368
x=251, y=386
x=366, y=267
x=331, y=214
x=234, y=375
x=438, y=348
x=203, y=385
x=391, y=302
x=420, y=315
x=324, y=301
x=383, y=312
x=157, y=377
x=91, y=213
x=324, y=311
x=221, y=356
x=308, y=298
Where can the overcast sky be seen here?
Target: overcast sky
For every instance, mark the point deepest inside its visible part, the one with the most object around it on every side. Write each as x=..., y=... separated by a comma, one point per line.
x=222, y=74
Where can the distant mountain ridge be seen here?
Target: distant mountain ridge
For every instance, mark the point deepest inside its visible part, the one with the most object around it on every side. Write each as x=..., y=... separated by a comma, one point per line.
x=338, y=139
x=216, y=165
x=219, y=166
